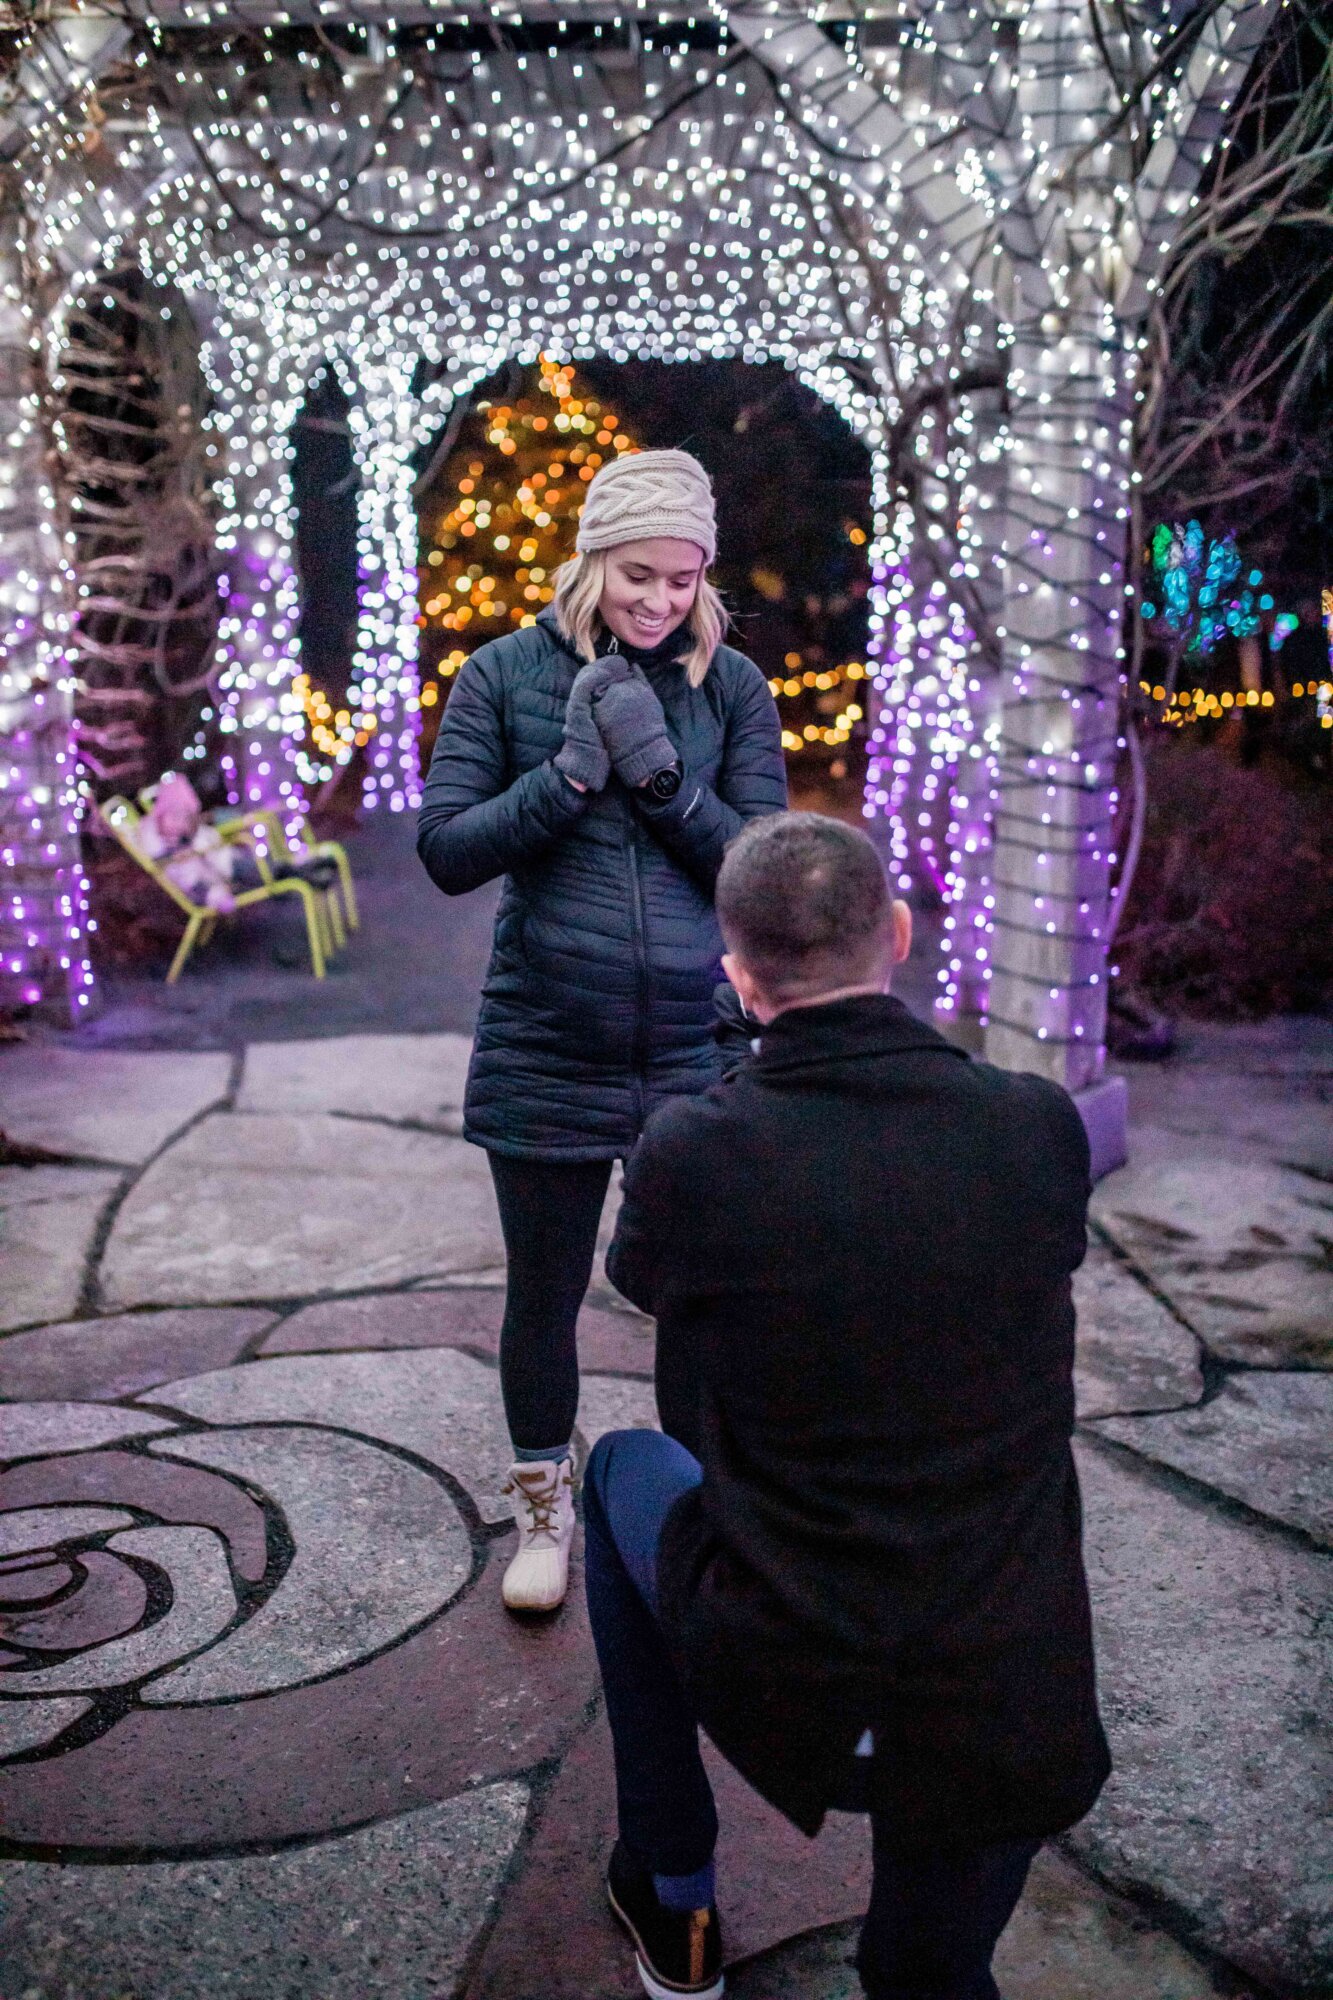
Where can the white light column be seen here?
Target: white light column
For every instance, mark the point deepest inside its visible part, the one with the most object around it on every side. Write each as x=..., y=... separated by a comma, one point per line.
x=1060, y=722
x=258, y=386
x=386, y=689
x=43, y=892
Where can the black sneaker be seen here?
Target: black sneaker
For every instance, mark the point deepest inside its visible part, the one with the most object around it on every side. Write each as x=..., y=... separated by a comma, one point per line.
x=678, y=1951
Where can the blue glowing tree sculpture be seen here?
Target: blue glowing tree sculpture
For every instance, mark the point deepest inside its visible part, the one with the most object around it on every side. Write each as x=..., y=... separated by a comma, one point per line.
x=1194, y=593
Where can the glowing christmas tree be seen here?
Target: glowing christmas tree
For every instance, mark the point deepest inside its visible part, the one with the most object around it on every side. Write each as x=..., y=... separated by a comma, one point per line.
x=507, y=515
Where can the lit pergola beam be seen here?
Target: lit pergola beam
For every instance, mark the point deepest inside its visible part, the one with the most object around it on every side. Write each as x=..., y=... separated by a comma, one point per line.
x=866, y=136
x=1195, y=117
x=67, y=52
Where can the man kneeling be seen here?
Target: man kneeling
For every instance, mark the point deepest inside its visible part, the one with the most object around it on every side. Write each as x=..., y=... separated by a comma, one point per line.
x=854, y=1557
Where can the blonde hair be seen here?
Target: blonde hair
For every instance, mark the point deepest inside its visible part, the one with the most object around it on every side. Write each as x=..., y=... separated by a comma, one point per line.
x=578, y=592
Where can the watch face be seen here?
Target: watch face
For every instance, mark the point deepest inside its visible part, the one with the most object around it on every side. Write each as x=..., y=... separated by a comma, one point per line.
x=664, y=784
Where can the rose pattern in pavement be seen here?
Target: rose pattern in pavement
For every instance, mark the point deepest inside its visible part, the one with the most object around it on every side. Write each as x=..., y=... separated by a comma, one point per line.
x=279, y=1532
x=209, y=1564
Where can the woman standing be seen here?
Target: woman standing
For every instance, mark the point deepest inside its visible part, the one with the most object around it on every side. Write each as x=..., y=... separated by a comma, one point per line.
x=601, y=760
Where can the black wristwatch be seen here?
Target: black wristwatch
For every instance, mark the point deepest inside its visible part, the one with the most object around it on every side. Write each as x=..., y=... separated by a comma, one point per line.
x=664, y=784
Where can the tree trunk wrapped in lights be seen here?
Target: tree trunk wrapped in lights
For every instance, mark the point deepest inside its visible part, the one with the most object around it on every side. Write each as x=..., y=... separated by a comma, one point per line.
x=129, y=407
x=1069, y=157
x=1061, y=714
x=384, y=705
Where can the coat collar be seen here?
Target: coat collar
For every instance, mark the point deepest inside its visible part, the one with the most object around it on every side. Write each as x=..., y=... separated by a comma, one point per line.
x=672, y=648
x=874, y=1024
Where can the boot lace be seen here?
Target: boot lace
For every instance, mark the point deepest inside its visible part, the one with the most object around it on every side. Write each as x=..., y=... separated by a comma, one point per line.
x=542, y=1505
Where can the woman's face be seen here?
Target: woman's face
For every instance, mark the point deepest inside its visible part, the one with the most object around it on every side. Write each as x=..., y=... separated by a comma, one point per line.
x=650, y=589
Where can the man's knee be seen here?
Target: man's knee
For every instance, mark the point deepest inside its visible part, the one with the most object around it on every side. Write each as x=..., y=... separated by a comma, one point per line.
x=594, y=1479
x=615, y=1456
x=638, y=1454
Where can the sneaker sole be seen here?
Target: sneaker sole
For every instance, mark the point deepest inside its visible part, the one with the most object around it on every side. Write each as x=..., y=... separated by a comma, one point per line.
x=653, y=1983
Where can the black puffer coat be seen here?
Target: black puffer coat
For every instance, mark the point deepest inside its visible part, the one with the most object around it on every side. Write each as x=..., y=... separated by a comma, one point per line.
x=598, y=1004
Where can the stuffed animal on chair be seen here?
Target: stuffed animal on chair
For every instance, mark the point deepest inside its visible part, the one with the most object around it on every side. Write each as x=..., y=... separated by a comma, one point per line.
x=175, y=834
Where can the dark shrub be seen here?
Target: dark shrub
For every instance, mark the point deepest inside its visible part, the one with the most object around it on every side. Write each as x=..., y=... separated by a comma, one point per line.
x=1231, y=911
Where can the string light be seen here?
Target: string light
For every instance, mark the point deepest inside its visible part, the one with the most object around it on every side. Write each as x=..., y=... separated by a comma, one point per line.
x=1207, y=705
x=44, y=921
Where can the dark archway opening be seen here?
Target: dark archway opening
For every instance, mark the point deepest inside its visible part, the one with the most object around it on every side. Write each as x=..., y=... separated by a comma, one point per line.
x=325, y=485
x=503, y=480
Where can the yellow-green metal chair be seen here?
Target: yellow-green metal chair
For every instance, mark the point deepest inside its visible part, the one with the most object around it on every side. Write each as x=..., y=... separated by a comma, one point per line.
x=122, y=817
x=293, y=849
x=284, y=838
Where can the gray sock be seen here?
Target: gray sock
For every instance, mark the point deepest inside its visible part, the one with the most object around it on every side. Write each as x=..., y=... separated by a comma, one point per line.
x=526, y=1455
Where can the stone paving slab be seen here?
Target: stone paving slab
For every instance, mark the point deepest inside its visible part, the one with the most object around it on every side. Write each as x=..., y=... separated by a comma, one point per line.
x=278, y=1207
x=1067, y=1940
x=103, y=1359
x=1239, y=1246
x=77, y=1495
x=1215, y=1681
x=104, y=1105
x=390, y=1911
x=414, y=1078
x=29, y=1428
x=379, y=1549
x=609, y=1342
x=1262, y=1439
x=1131, y=1353
x=112, y=1601
x=24, y=1530
x=48, y=1222
x=1248, y=1091
x=492, y=1275
x=1219, y=1114
x=27, y=1725
x=438, y=1403
x=611, y=1403
x=202, y=1605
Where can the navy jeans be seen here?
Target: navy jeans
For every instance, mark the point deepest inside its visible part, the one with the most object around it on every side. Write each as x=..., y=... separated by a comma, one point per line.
x=934, y=1919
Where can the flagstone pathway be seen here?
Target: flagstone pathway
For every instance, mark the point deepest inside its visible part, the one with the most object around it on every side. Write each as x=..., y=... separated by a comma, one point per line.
x=265, y=1732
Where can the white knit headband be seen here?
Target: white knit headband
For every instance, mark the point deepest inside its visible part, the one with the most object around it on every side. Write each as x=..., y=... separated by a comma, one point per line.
x=649, y=493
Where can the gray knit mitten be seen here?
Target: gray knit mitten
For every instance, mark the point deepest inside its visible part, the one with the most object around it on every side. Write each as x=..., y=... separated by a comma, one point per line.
x=634, y=730
x=583, y=755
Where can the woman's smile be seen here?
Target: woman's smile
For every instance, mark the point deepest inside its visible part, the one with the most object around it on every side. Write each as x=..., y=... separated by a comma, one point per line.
x=649, y=589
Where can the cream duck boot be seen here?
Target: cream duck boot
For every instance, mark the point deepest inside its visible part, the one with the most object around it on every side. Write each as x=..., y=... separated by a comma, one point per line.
x=543, y=1494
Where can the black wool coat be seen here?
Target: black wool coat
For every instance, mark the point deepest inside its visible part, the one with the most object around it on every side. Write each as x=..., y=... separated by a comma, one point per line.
x=597, y=1006
x=859, y=1253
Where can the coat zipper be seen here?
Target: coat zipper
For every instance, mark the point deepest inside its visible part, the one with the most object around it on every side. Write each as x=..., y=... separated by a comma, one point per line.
x=640, y=969
x=640, y=1050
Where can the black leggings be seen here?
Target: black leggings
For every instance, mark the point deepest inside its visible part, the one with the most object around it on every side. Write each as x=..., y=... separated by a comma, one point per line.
x=549, y=1212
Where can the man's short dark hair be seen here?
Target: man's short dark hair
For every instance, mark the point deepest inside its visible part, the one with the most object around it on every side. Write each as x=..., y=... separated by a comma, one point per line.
x=802, y=900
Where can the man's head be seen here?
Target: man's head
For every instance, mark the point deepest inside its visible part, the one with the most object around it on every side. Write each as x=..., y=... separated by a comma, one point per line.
x=806, y=914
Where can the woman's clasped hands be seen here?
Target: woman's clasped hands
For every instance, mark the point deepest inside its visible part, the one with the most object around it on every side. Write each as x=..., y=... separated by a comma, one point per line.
x=613, y=720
